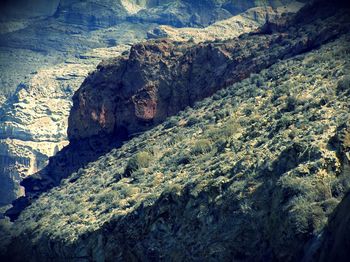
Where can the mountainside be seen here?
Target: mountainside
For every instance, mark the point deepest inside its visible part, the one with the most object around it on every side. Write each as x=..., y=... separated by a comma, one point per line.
x=157, y=79
x=248, y=174
x=50, y=64
x=251, y=173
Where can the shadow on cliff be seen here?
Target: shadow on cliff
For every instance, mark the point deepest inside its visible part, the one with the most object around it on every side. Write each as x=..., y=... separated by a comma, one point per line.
x=67, y=161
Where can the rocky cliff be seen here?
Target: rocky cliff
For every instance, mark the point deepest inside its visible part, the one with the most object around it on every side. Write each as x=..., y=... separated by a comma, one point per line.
x=252, y=173
x=247, y=21
x=160, y=78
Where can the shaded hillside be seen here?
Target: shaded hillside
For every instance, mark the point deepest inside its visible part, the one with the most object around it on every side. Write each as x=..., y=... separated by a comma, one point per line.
x=251, y=174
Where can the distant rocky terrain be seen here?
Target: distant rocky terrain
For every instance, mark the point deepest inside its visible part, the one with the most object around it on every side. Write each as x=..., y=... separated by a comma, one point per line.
x=247, y=21
x=47, y=52
x=34, y=120
x=234, y=150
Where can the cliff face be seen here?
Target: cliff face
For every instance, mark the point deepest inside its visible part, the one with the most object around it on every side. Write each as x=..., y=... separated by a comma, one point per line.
x=247, y=21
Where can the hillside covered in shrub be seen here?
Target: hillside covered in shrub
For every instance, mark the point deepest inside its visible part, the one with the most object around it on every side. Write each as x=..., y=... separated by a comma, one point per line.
x=254, y=168
x=251, y=173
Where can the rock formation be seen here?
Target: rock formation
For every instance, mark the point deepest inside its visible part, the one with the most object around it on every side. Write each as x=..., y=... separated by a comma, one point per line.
x=160, y=78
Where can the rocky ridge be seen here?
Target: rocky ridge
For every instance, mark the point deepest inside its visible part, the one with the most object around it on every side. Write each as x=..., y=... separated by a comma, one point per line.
x=160, y=78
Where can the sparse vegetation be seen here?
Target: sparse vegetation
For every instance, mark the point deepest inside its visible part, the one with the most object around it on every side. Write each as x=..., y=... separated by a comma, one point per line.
x=140, y=160
x=259, y=156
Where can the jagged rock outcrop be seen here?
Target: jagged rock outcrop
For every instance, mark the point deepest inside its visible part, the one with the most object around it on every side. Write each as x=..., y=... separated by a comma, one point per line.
x=160, y=78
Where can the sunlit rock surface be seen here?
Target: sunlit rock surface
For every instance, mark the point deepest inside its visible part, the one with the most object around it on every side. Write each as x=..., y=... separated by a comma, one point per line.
x=247, y=21
x=33, y=122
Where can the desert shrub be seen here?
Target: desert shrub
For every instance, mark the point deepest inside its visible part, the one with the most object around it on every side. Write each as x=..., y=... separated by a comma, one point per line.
x=306, y=218
x=171, y=123
x=231, y=128
x=291, y=103
x=257, y=80
x=216, y=96
x=225, y=132
x=191, y=40
x=106, y=197
x=201, y=146
x=221, y=144
x=329, y=205
x=221, y=114
x=140, y=160
x=343, y=84
x=248, y=111
x=279, y=91
x=183, y=158
x=192, y=120
x=284, y=122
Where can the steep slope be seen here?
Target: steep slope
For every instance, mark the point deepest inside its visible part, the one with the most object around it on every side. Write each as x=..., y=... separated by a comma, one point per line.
x=336, y=237
x=32, y=125
x=132, y=93
x=336, y=246
x=249, y=174
x=159, y=78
